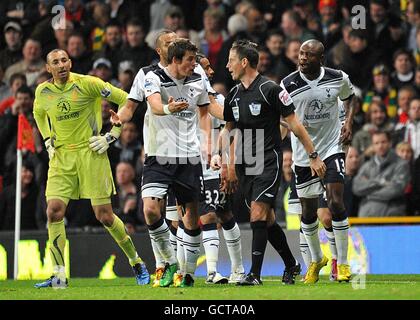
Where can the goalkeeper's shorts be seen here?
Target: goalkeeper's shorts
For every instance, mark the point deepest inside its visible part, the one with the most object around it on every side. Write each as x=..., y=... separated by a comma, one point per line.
x=79, y=173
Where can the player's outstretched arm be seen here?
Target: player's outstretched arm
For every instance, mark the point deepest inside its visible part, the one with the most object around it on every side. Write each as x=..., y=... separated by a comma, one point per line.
x=215, y=109
x=316, y=164
x=160, y=109
x=125, y=113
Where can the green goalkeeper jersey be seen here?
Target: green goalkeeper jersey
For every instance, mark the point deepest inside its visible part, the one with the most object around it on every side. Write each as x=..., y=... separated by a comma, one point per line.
x=71, y=113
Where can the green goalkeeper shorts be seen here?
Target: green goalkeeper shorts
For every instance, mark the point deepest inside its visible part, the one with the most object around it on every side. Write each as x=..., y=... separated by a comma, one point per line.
x=79, y=173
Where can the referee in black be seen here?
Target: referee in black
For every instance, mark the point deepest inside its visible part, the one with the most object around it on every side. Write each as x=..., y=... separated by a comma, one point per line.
x=252, y=113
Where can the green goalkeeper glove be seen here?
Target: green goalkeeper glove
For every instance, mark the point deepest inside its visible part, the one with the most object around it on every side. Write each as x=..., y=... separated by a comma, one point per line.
x=50, y=148
x=101, y=143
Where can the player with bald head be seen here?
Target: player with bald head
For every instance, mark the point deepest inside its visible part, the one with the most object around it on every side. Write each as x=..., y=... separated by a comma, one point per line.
x=318, y=94
x=67, y=111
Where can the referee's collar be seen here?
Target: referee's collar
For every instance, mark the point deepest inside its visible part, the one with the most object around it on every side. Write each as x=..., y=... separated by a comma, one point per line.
x=253, y=83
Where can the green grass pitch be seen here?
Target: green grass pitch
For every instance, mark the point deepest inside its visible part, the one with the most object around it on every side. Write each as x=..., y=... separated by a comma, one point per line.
x=379, y=287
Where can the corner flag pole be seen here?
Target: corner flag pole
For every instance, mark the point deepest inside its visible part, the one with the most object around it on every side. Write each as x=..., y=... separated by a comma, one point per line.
x=17, y=212
x=25, y=140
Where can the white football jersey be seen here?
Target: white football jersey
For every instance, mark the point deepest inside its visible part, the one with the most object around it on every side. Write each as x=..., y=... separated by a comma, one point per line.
x=317, y=105
x=137, y=93
x=175, y=135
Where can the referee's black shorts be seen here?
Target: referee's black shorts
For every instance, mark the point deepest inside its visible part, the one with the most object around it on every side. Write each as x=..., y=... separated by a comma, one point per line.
x=262, y=187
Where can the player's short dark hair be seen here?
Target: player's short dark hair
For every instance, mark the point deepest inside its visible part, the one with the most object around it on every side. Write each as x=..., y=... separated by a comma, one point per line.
x=24, y=89
x=247, y=49
x=179, y=47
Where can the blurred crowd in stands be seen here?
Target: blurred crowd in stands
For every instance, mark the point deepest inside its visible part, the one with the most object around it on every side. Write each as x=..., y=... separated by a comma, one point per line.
x=112, y=39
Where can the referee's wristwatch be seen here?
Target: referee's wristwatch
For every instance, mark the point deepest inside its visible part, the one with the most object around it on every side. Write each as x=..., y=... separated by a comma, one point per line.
x=313, y=155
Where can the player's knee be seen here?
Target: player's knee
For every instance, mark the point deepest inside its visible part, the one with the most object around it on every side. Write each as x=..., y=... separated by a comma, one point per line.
x=55, y=212
x=324, y=215
x=224, y=216
x=152, y=212
x=336, y=206
x=104, y=216
x=208, y=218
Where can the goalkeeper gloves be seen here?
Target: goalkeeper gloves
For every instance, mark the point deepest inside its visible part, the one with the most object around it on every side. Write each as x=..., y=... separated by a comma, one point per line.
x=50, y=148
x=101, y=143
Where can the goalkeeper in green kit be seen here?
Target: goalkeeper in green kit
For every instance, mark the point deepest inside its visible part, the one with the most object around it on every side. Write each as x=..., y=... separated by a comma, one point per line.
x=67, y=111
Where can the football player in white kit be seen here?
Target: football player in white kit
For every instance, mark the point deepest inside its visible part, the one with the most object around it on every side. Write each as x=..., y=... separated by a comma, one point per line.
x=216, y=207
x=316, y=91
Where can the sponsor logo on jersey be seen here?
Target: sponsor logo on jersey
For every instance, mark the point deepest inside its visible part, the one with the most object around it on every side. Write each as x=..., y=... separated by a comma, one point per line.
x=255, y=108
x=316, y=112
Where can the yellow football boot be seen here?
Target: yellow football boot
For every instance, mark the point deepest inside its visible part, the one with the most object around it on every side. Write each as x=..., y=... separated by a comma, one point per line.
x=312, y=275
x=343, y=272
x=158, y=276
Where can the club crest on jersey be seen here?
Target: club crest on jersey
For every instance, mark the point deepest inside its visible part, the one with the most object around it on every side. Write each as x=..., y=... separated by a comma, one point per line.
x=105, y=92
x=63, y=106
x=255, y=108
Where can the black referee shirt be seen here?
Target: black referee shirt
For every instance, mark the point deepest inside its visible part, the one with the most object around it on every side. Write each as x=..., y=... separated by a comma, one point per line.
x=257, y=107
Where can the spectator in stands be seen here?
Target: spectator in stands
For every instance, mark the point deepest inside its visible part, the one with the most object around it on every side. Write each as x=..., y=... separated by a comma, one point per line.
x=8, y=131
x=328, y=28
x=404, y=68
x=174, y=20
x=13, y=51
x=136, y=50
x=276, y=44
x=102, y=68
x=382, y=180
x=383, y=90
x=101, y=17
x=24, y=12
x=237, y=23
x=111, y=48
x=335, y=55
x=4, y=87
x=158, y=11
x=29, y=196
x=290, y=61
x=378, y=26
x=293, y=27
x=265, y=66
x=126, y=74
x=351, y=201
x=81, y=59
x=405, y=95
x=125, y=201
x=405, y=152
x=16, y=81
x=412, y=130
x=126, y=148
x=31, y=65
x=358, y=53
x=413, y=18
x=213, y=35
x=417, y=81
x=376, y=120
